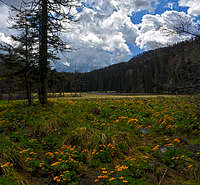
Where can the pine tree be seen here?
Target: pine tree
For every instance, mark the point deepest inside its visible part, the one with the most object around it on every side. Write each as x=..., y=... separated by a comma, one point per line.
x=27, y=41
x=53, y=13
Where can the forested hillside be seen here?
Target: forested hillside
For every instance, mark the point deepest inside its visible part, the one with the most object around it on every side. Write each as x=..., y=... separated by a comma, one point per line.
x=173, y=69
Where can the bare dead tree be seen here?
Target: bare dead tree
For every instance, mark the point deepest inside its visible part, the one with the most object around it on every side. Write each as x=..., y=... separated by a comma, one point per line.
x=179, y=25
x=183, y=25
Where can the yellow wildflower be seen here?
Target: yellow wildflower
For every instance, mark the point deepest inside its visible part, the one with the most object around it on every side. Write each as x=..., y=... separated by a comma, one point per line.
x=166, y=139
x=23, y=151
x=124, y=167
x=54, y=164
x=112, y=178
x=156, y=147
x=5, y=165
x=55, y=178
x=123, y=117
x=177, y=140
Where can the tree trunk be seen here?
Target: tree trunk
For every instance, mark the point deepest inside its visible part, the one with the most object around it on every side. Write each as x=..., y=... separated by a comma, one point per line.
x=28, y=89
x=26, y=75
x=43, y=62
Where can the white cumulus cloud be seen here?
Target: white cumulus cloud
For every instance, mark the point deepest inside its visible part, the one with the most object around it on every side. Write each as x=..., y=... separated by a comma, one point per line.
x=4, y=13
x=100, y=37
x=104, y=32
x=193, y=5
x=4, y=31
x=152, y=33
x=5, y=39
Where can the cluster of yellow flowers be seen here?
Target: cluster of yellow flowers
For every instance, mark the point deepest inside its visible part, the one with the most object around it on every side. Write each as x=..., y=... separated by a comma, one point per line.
x=120, y=168
x=60, y=178
x=106, y=174
x=176, y=140
x=130, y=120
x=50, y=154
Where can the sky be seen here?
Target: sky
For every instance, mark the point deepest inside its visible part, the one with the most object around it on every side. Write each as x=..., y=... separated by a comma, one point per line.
x=113, y=31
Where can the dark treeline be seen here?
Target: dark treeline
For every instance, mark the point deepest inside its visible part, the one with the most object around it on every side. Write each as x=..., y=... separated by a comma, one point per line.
x=174, y=69
x=13, y=83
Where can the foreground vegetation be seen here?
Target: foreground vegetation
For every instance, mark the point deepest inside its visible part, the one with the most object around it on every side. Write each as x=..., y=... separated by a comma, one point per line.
x=136, y=141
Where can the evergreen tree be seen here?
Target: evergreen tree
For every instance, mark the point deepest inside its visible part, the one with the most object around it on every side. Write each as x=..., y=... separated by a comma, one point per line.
x=52, y=15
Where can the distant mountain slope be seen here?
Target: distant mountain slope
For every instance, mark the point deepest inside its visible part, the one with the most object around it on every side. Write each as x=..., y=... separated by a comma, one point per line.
x=171, y=69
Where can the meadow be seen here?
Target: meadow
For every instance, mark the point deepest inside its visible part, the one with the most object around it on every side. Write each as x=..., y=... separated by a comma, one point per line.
x=148, y=140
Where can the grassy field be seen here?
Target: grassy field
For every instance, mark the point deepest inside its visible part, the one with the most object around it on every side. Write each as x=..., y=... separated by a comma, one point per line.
x=101, y=140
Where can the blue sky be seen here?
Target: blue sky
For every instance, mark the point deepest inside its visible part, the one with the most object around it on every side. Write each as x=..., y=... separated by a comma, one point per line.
x=163, y=6
x=113, y=31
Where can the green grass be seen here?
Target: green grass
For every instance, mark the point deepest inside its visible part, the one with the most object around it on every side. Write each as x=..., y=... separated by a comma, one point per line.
x=91, y=140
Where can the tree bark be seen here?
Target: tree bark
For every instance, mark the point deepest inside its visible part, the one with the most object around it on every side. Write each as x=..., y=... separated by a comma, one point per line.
x=28, y=89
x=26, y=75
x=43, y=61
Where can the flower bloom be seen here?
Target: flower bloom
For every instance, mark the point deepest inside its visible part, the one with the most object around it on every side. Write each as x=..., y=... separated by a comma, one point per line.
x=6, y=165
x=156, y=147
x=55, y=178
x=54, y=164
x=133, y=120
x=166, y=139
x=23, y=151
x=123, y=117
x=112, y=178
x=177, y=140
